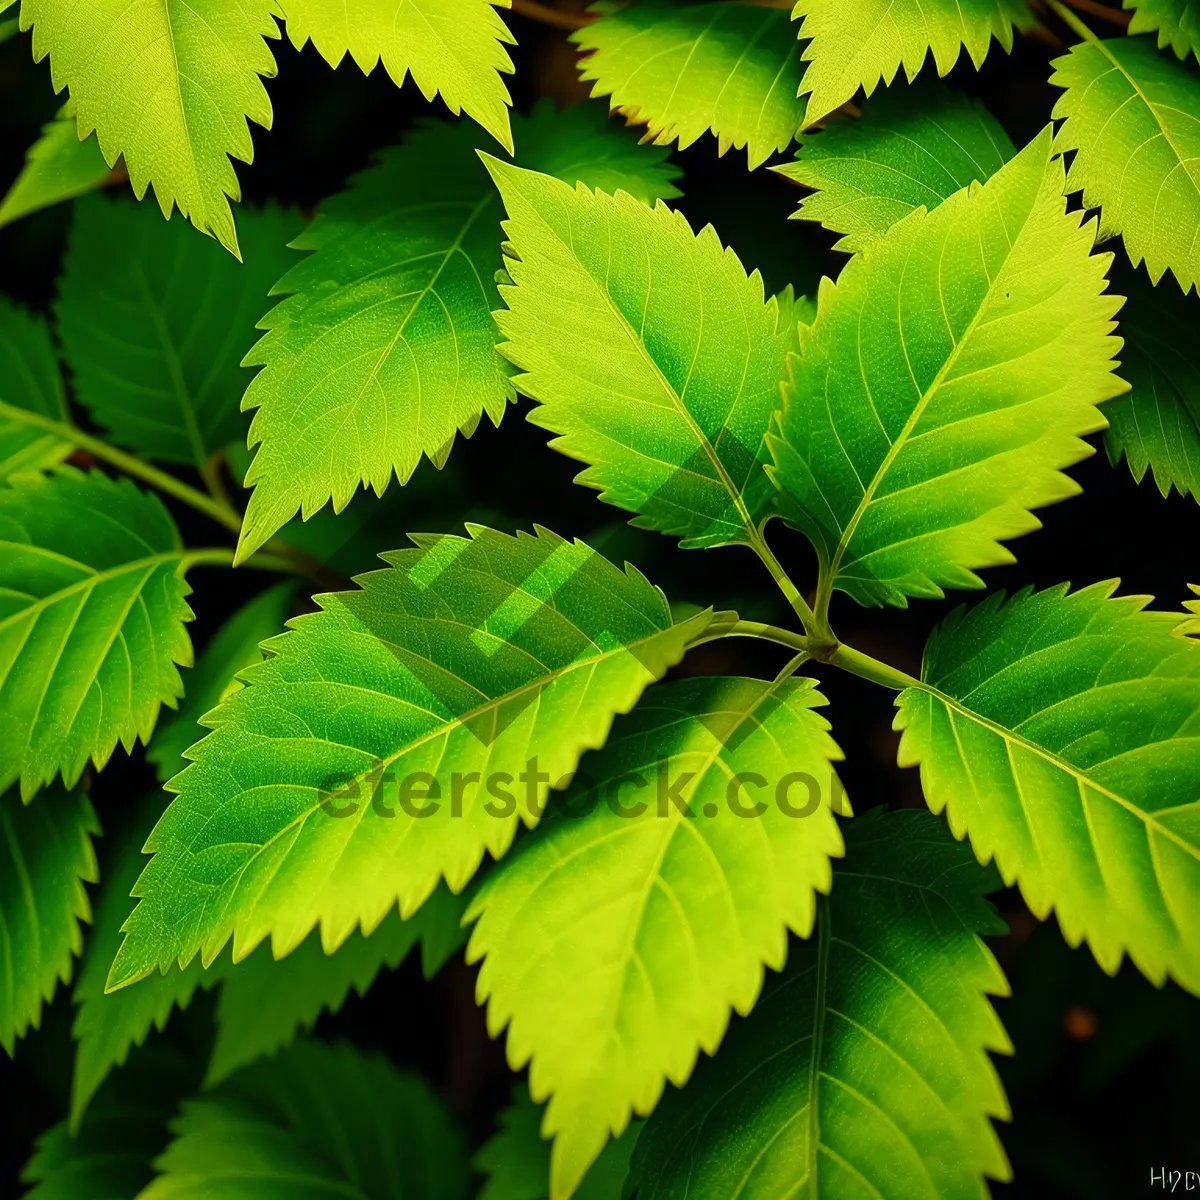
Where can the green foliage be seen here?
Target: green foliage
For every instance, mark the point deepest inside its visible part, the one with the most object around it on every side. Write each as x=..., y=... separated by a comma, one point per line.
x=1177, y=23
x=863, y=1070
x=913, y=148
x=58, y=167
x=31, y=388
x=658, y=906
x=388, y=323
x=728, y=68
x=859, y=45
x=506, y=654
x=92, y=613
x=316, y=1120
x=671, y=416
x=1060, y=730
x=155, y=321
x=1131, y=116
x=46, y=857
x=924, y=422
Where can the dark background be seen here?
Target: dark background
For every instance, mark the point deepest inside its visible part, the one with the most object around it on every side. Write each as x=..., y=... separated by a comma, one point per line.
x=1106, y=1080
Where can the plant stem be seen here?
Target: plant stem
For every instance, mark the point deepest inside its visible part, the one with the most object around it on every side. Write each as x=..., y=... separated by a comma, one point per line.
x=866, y=667
x=756, y=629
x=1069, y=18
x=1102, y=11
x=555, y=18
x=791, y=666
x=784, y=583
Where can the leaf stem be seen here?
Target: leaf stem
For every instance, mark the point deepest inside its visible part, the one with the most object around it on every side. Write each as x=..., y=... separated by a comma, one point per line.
x=783, y=581
x=866, y=667
x=1070, y=19
x=756, y=629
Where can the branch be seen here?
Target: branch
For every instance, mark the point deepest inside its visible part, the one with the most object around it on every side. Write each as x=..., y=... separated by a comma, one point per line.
x=554, y=17
x=1102, y=11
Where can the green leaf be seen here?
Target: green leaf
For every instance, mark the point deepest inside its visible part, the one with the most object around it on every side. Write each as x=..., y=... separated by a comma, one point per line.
x=92, y=613
x=1156, y=425
x=452, y=48
x=385, y=346
x=1062, y=733
x=169, y=87
x=1133, y=118
x=516, y=1158
x=508, y=655
x=933, y=409
x=155, y=321
x=854, y=46
x=617, y=939
x=31, y=390
x=233, y=648
x=46, y=857
x=58, y=167
x=652, y=354
x=863, y=1070
x=1177, y=23
x=315, y=1121
x=913, y=147
x=681, y=70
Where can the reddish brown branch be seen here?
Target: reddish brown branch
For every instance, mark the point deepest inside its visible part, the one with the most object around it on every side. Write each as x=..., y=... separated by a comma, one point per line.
x=554, y=17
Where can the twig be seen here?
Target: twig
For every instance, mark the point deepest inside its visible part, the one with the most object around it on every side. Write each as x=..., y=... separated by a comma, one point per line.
x=554, y=17
x=1102, y=11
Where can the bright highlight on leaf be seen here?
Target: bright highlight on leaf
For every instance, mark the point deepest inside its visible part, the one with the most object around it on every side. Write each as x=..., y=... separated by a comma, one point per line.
x=154, y=322
x=1177, y=23
x=385, y=347
x=682, y=70
x=169, y=86
x=1062, y=732
x=46, y=857
x=31, y=392
x=913, y=147
x=858, y=45
x=950, y=375
x=617, y=939
x=92, y=615
x=392, y=739
x=452, y=48
x=1133, y=119
x=651, y=352
x=863, y=1070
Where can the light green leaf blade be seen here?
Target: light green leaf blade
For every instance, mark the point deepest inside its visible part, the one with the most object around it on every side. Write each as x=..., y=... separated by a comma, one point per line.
x=651, y=353
x=1133, y=118
x=913, y=147
x=315, y=1121
x=516, y=1158
x=682, y=70
x=617, y=939
x=452, y=48
x=385, y=347
x=58, y=167
x=31, y=393
x=46, y=856
x=1061, y=732
x=852, y=46
x=91, y=623
x=863, y=1070
x=155, y=321
x=171, y=88
x=934, y=409
x=1156, y=424
x=233, y=648
x=1177, y=23
x=508, y=655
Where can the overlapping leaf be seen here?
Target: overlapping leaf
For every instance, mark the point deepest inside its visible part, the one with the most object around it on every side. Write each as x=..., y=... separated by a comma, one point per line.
x=92, y=615
x=1177, y=23
x=1061, y=732
x=489, y=654
x=912, y=148
x=950, y=375
x=31, y=394
x=651, y=353
x=155, y=321
x=316, y=1120
x=858, y=45
x=385, y=346
x=170, y=87
x=1133, y=120
x=680, y=70
x=617, y=939
x=863, y=1070
x=46, y=857
x=1156, y=425
x=58, y=167
x=452, y=48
